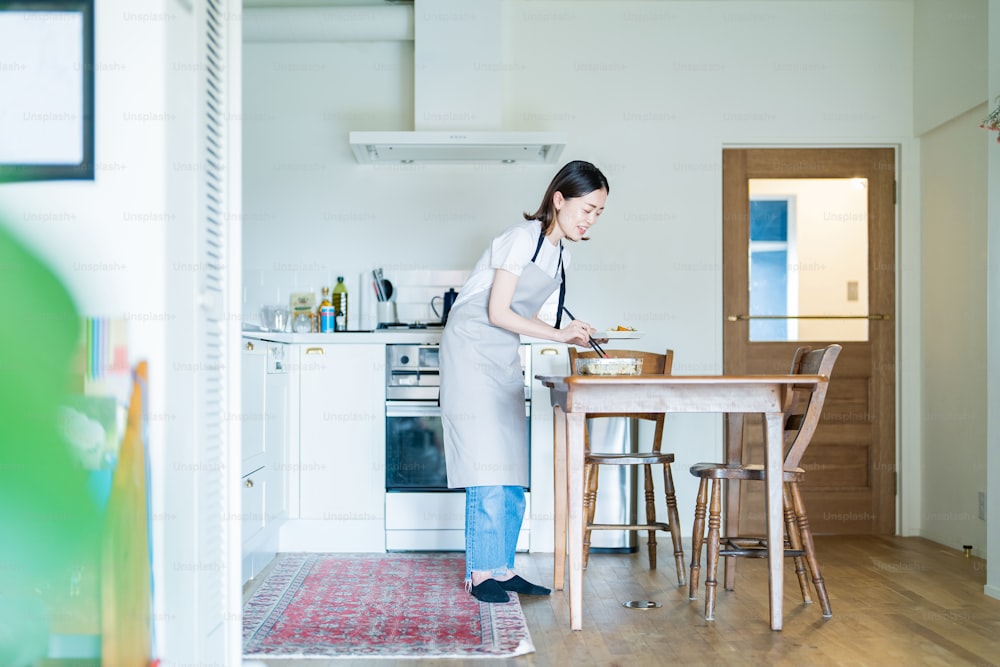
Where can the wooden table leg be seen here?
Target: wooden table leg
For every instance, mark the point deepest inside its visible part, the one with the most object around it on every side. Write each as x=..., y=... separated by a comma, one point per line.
x=731, y=517
x=560, y=481
x=774, y=465
x=576, y=524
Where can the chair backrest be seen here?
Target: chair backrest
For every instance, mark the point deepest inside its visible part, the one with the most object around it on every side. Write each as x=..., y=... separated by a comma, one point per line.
x=652, y=364
x=805, y=406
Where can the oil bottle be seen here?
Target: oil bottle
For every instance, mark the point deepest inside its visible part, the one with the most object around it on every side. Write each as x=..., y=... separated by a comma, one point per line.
x=340, y=304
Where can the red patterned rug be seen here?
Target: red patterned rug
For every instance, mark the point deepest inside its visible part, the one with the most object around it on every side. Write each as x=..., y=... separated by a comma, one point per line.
x=379, y=606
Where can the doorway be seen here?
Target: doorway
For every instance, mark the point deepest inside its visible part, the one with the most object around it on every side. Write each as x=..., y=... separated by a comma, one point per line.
x=808, y=260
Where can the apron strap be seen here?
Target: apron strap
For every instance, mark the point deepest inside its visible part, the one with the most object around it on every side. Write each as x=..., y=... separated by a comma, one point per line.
x=562, y=275
x=562, y=288
x=538, y=246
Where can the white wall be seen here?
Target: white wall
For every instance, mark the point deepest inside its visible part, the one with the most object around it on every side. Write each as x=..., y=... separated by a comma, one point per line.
x=102, y=237
x=954, y=233
x=993, y=304
x=949, y=59
x=950, y=86
x=651, y=92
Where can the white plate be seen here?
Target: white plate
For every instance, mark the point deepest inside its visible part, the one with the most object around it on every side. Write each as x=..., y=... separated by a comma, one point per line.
x=611, y=335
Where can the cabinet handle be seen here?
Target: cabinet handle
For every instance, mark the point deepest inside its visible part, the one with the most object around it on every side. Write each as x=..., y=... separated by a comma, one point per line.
x=249, y=483
x=549, y=350
x=315, y=350
x=249, y=345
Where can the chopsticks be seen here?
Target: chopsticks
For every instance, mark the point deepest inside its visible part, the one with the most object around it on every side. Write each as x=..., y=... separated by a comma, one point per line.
x=593, y=343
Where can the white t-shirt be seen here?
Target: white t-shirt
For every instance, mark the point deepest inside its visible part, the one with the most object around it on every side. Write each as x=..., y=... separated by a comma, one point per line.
x=512, y=251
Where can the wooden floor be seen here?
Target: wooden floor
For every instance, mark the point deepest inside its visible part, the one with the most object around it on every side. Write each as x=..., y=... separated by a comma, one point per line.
x=896, y=601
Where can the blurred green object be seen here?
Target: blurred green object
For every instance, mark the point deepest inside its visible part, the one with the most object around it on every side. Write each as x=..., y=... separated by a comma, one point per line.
x=49, y=523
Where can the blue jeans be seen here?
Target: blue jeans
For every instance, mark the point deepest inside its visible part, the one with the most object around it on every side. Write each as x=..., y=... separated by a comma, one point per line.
x=493, y=516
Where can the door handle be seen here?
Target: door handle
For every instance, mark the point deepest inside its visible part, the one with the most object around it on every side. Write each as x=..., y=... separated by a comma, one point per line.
x=739, y=318
x=412, y=409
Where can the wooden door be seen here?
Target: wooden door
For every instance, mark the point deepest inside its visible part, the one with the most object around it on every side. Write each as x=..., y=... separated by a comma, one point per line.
x=805, y=266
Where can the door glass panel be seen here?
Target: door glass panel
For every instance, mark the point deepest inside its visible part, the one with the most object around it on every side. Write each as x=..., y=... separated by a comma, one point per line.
x=808, y=259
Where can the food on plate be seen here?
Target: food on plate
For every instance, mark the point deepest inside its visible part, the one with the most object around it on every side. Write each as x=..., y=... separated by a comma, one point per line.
x=621, y=328
x=610, y=366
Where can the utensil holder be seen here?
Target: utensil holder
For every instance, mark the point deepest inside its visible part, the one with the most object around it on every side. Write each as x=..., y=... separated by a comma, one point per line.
x=386, y=312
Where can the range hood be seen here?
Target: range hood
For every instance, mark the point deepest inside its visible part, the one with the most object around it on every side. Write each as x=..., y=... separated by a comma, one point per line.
x=457, y=146
x=458, y=73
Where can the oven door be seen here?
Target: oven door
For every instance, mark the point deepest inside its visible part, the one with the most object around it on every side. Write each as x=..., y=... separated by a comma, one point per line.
x=414, y=447
x=421, y=512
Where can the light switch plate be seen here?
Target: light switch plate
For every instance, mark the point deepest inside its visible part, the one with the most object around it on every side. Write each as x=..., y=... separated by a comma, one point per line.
x=852, y=290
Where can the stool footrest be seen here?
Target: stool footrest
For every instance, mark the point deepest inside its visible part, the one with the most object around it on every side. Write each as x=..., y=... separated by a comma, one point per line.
x=753, y=547
x=614, y=526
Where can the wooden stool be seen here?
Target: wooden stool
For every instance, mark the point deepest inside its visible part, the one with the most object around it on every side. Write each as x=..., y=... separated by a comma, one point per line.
x=802, y=414
x=652, y=364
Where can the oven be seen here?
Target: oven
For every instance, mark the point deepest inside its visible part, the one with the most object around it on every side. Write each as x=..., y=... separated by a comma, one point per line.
x=414, y=443
x=422, y=513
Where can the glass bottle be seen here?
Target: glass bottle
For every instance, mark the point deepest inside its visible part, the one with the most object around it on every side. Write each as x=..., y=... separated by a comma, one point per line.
x=325, y=313
x=340, y=304
x=303, y=322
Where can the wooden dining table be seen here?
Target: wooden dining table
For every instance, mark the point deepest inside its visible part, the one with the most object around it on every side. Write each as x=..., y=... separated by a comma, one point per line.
x=573, y=396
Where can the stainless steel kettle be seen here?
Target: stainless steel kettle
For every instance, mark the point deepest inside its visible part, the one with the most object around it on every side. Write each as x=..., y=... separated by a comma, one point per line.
x=447, y=301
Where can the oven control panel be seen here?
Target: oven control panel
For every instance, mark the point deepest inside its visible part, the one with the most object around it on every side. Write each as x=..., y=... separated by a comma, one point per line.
x=412, y=358
x=412, y=372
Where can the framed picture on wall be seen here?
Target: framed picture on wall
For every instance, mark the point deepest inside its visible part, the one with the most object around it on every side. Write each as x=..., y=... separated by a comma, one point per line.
x=46, y=90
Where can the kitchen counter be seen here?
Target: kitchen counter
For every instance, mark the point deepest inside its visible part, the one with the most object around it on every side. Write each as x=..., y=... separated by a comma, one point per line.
x=331, y=447
x=430, y=336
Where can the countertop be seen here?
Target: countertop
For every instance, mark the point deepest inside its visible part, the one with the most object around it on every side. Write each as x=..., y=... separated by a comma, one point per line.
x=430, y=336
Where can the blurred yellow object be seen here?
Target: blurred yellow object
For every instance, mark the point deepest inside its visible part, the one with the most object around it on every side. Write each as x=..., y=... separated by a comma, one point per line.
x=125, y=581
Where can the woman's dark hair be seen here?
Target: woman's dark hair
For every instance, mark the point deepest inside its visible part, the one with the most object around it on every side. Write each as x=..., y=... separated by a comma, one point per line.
x=575, y=179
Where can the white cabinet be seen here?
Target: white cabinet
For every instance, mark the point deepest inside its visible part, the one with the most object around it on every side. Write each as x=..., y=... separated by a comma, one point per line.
x=254, y=369
x=335, y=470
x=264, y=421
x=546, y=359
x=277, y=392
x=340, y=468
x=252, y=515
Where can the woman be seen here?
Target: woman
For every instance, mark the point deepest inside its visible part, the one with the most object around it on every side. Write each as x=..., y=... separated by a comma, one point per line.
x=482, y=386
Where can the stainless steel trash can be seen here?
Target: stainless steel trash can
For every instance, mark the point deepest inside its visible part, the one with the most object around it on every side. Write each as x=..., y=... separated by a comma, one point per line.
x=616, y=491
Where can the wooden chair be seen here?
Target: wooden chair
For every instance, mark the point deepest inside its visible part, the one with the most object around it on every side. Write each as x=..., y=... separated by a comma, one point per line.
x=652, y=364
x=802, y=414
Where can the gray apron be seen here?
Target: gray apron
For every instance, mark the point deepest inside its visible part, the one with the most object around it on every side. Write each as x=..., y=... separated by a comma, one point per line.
x=482, y=385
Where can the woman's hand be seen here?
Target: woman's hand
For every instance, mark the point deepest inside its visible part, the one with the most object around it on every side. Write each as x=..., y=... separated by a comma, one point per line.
x=577, y=333
x=501, y=315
